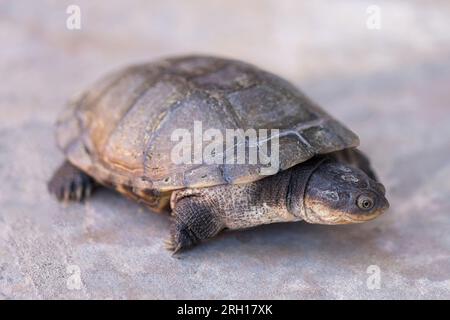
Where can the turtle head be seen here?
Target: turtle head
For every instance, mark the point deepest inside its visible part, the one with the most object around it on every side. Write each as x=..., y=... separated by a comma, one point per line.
x=337, y=193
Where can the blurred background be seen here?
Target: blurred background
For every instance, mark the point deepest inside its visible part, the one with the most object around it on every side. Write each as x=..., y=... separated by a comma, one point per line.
x=381, y=67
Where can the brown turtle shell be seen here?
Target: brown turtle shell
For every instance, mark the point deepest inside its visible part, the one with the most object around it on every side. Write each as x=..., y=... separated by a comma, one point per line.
x=119, y=131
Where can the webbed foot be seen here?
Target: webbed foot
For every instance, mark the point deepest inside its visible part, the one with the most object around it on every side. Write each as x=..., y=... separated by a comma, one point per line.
x=70, y=183
x=193, y=221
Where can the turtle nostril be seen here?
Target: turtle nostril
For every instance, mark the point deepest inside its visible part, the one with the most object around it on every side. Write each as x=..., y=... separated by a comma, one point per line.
x=386, y=204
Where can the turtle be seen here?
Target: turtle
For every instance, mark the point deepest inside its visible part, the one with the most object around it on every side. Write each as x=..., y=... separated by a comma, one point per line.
x=118, y=134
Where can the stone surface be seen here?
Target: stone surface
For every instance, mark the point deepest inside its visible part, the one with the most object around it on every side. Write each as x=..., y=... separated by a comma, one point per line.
x=390, y=85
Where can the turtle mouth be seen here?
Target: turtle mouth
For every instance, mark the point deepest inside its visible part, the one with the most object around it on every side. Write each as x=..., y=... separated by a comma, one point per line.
x=353, y=218
x=358, y=218
x=342, y=218
x=321, y=215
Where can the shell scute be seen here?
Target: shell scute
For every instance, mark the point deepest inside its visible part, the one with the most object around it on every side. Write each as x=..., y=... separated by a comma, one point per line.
x=120, y=130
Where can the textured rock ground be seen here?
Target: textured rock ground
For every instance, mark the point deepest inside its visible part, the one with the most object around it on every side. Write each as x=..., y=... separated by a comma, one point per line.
x=390, y=85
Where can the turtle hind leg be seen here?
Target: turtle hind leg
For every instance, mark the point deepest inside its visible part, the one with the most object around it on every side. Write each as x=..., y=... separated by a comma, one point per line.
x=70, y=183
x=193, y=221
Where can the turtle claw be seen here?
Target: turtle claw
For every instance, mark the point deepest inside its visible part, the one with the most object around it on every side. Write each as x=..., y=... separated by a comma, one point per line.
x=172, y=246
x=88, y=191
x=79, y=193
x=181, y=238
x=69, y=183
x=169, y=245
x=66, y=194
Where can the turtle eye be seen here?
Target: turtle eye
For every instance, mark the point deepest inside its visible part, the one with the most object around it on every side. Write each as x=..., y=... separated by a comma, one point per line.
x=365, y=202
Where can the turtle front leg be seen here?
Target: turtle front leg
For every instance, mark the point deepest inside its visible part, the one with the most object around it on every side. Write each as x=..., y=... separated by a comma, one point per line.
x=194, y=220
x=70, y=183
